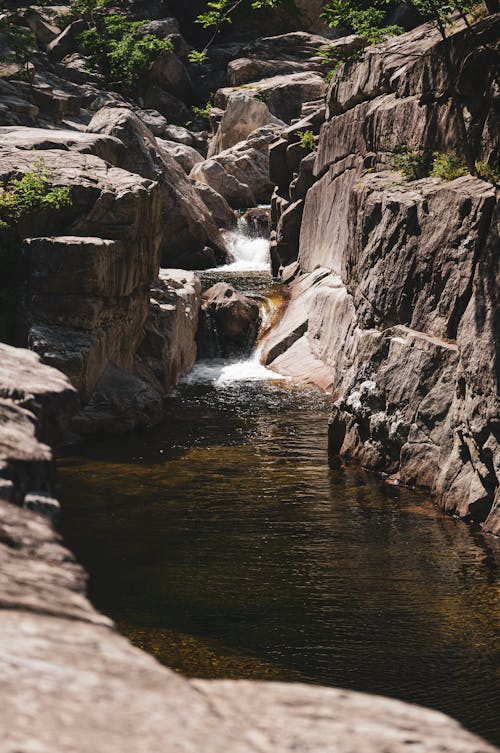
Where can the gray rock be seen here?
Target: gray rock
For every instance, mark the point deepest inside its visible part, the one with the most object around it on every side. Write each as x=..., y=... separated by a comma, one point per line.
x=186, y=156
x=284, y=95
x=243, y=115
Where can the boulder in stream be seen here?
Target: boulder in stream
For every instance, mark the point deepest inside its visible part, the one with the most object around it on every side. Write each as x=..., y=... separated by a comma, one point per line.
x=229, y=322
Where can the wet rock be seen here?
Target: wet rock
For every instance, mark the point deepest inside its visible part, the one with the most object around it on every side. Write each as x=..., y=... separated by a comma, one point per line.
x=229, y=322
x=256, y=221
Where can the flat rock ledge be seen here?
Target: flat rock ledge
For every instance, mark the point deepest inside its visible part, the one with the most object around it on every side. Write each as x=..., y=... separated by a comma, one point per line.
x=69, y=683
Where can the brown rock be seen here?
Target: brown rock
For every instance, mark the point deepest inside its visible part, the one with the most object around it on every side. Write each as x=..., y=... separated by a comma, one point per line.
x=229, y=323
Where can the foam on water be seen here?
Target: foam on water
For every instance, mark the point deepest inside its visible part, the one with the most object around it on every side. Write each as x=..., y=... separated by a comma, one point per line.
x=223, y=372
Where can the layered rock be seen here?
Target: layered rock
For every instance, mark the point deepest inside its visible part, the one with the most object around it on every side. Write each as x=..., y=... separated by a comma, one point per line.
x=395, y=309
x=241, y=174
x=86, y=307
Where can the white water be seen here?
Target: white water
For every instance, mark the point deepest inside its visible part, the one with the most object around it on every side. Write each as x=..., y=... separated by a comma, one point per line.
x=221, y=373
x=251, y=254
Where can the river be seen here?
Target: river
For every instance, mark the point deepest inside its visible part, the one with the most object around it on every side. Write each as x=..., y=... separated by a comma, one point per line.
x=227, y=544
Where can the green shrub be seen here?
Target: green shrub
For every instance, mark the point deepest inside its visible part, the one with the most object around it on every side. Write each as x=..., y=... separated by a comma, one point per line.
x=412, y=164
x=487, y=172
x=202, y=113
x=31, y=192
x=197, y=57
x=116, y=46
x=306, y=139
x=447, y=166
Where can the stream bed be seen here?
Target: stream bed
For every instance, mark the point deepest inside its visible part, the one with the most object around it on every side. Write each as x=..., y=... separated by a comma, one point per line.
x=227, y=544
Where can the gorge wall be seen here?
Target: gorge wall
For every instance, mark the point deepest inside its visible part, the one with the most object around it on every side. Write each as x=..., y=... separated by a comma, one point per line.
x=394, y=305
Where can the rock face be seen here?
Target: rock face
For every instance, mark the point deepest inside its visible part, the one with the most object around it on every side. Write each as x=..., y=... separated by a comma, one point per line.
x=86, y=304
x=190, y=226
x=229, y=322
x=394, y=311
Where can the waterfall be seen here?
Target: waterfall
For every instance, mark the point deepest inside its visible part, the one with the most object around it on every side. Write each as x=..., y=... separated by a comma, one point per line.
x=250, y=250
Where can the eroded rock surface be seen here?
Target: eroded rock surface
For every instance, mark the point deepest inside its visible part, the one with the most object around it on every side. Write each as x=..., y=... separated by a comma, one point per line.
x=401, y=325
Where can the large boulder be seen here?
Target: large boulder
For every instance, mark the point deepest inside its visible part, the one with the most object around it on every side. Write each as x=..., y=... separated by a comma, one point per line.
x=229, y=322
x=284, y=95
x=186, y=156
x=243, y=115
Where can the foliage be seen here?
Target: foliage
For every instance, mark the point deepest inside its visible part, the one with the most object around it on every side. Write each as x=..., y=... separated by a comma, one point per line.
x=221, y=12
x=306, y=139
x=197, y=57
x=447, y=166
x=488, y=172
x=20, y=43
x=364, y=18
x=202, y=113
x=115, y=46
x=86, y=8
x=412, y=164
x=30, y=193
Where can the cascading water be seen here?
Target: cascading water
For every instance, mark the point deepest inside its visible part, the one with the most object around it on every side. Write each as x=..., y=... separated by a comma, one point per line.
x=249, y=274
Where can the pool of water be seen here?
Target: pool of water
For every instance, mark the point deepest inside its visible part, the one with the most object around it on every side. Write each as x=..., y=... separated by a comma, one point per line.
x=227, y=544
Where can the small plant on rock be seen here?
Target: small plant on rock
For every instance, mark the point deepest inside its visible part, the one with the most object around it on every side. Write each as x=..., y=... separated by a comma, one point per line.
x=30, y=193
x=488, y=172
x=306, y=139
x=412, y=164
x=448, y=166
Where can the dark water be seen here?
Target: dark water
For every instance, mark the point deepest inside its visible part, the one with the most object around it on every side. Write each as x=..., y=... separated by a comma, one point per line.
x=225, y=543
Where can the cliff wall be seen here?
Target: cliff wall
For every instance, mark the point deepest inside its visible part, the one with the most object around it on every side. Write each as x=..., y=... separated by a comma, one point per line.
x=395, y=308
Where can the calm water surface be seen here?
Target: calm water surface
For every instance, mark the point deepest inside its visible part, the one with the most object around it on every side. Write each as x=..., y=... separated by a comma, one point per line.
x=225, y=543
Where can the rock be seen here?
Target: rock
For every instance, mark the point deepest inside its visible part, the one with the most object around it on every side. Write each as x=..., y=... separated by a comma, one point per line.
x=169, y=73
x=284, y=95
x=66, y=42
x=243, y=115
x=16, y=109
x=223, y=215
x=44, y=31
x=286, y=248
x=76, y=68
x=169, y=345
x=241, y=174
x=190, y=227
x=246, y=70
x=36, y=405
x=186, y=156
x=256, y=222
x=156, y=122
x=157, y=98
x=229, y=322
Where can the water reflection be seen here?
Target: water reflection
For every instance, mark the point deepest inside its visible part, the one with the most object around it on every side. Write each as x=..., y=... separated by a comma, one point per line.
x=225, y=543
